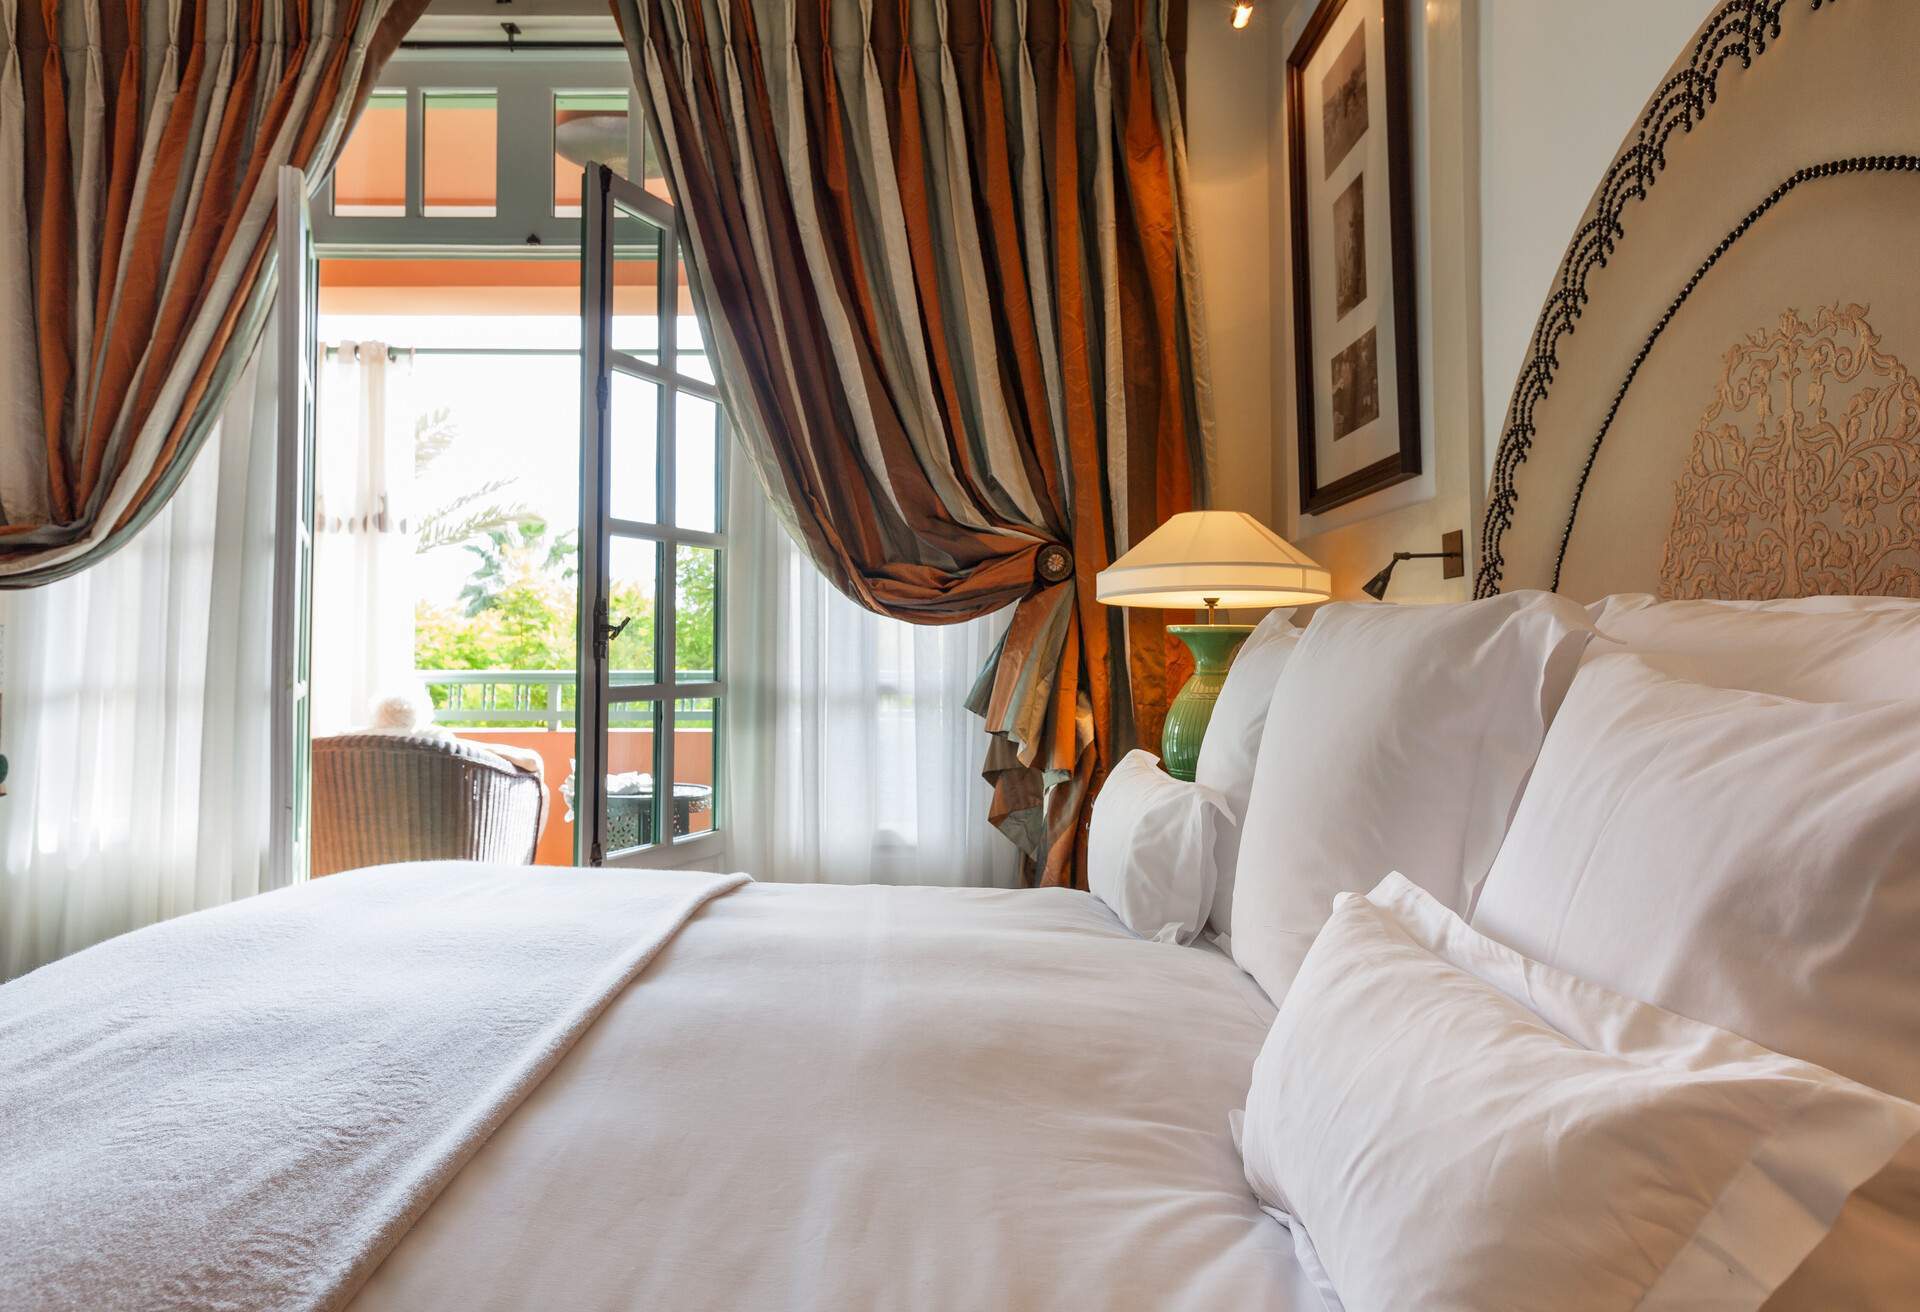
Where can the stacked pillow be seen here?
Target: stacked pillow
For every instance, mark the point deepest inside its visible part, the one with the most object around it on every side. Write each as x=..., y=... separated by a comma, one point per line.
x=1821, y=649
x=1150, y=848
x=1160, y=852
x=1398, y=739
x=1743, y=858
x=1446, y=1124
x=1232, y=742
x=1726, y=822
x=1722, y=825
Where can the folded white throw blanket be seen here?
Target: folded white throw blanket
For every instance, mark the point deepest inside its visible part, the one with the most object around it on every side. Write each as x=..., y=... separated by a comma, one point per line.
x=247, y=1107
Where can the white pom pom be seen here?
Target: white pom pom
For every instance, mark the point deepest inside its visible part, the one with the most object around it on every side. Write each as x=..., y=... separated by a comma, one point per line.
x=410, y=711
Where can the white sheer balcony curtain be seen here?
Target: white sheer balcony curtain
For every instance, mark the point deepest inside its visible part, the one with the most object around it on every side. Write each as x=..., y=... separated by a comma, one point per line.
x=851, y=757
x=137, y=699
x=363, y=541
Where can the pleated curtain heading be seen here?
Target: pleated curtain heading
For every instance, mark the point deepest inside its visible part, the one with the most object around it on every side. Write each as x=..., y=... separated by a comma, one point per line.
x=945, y=260
x=139, y=143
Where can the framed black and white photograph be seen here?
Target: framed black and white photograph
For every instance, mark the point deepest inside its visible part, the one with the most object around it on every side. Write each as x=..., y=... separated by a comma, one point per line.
x=1352, y=239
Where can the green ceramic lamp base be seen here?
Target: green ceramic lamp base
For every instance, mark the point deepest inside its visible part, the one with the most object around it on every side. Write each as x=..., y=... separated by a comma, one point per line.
x=1213, y=647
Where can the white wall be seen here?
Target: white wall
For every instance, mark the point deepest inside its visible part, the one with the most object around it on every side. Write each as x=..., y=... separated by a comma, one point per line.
x=1517, y=105
x=1561, y=83
x=1355, y=540
x=1228, y=77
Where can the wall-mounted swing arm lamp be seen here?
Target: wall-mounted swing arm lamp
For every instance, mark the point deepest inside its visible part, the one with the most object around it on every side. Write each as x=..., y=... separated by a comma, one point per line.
x=1452, y=550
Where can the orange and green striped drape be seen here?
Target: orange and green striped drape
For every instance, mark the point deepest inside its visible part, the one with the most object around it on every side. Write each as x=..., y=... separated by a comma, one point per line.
x=139, y=141
x=944, y=257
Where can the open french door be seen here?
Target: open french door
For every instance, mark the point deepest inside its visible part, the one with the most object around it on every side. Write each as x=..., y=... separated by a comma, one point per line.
x=296, y=344
x=653, y=451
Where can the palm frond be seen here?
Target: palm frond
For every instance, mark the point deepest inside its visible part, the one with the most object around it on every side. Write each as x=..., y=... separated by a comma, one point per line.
x=470, y=515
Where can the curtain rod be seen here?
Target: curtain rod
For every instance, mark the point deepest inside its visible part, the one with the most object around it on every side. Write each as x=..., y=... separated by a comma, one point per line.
x=395, y=352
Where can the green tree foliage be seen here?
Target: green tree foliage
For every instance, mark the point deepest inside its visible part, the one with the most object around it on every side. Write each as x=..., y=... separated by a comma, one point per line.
x=508, y=559
x=696, y=598
x=517, y=610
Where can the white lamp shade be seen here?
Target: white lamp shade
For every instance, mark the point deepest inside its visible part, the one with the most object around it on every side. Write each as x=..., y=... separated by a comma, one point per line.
x=1226, y=555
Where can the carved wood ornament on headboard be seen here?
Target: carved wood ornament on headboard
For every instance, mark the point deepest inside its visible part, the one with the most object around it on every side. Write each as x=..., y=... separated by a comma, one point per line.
x=1717, y=399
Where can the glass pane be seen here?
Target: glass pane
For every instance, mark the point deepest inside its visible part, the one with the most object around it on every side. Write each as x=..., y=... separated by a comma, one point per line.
x=588, y=127
x=696, y=475
x=636, y=284
x=461, y=136
x=633, y=424
x=631, y=585
x=689, y=347
x=371, y=178
x=696, y=599
x=630, y=774
x=695, y=731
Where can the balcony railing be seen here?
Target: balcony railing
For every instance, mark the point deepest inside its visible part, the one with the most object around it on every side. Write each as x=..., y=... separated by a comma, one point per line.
x=540, y=699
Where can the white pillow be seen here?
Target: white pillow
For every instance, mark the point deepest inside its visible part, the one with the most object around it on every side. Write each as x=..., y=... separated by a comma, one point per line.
x=1826, y=649
x=1455, y=1126
x=1743, y=859
x=1150, y=848
x=1232, y=742
x=1398, y=739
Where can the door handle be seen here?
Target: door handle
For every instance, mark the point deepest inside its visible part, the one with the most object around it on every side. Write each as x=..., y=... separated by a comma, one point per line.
x=605, y=632
x=608, y=632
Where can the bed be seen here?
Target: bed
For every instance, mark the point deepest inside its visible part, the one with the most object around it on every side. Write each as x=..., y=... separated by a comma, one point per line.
x=939, y=1099
x=459, y=1085
x=738, y=1095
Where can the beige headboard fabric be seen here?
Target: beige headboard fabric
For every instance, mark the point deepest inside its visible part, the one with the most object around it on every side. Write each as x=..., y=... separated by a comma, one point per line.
x=1719, y=399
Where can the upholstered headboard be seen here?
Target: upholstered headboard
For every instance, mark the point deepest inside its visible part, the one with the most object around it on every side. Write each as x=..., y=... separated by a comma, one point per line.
x=1719, y=397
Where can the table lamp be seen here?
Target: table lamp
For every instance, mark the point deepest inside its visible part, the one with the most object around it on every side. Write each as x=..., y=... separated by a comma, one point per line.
x=1208, y=558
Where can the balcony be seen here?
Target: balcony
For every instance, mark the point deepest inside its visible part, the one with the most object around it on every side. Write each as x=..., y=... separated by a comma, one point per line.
x=534, y=710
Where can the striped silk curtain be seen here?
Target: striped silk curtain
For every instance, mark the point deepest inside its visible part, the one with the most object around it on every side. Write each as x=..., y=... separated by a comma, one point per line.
x=944, y=260
x=139, y=141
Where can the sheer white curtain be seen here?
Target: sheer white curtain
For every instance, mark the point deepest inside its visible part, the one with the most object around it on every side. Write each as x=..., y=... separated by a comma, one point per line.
x=851, y=757
x=137, y=705
x=363, y=542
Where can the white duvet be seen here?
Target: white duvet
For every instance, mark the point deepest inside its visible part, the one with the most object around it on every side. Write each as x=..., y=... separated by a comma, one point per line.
x=852, y=1098
x=246, y=1108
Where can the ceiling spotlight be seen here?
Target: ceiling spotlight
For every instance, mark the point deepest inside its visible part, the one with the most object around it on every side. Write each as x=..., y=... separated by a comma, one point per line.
x=1242, y=14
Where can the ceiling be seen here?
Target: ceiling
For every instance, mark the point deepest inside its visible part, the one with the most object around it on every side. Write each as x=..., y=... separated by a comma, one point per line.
x=538, y=20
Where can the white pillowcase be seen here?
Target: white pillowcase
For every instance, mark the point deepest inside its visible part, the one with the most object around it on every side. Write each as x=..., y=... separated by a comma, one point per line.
x=1740, y=858
x=1150, y=848
x=1398, y=739
x=1456, y=1127
x=1232, y=742
x=1825, y=649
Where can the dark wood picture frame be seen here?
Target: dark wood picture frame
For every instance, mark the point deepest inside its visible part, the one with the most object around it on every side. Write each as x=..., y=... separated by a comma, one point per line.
x=1404, y=463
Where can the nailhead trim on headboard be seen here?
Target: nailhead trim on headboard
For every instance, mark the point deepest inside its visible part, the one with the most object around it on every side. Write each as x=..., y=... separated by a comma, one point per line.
x=1740, y=29
x=1831, y=169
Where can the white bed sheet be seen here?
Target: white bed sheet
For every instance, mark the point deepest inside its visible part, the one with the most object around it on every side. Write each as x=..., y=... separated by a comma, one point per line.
x=840, y=1097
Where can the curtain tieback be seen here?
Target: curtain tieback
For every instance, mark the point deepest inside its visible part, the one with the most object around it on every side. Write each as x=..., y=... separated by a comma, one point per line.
x=1054, y=563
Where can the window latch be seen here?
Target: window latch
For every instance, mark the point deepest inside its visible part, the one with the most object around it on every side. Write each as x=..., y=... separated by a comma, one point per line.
x=607, y=632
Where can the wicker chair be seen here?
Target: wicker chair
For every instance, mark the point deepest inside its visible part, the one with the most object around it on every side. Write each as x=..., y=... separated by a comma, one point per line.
x=387, y=797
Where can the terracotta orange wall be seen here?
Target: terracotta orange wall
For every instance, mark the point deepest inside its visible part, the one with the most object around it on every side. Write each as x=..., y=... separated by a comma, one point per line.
x=631, y=749
x=461, y=149
x=372, y=170
x=536, y=286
